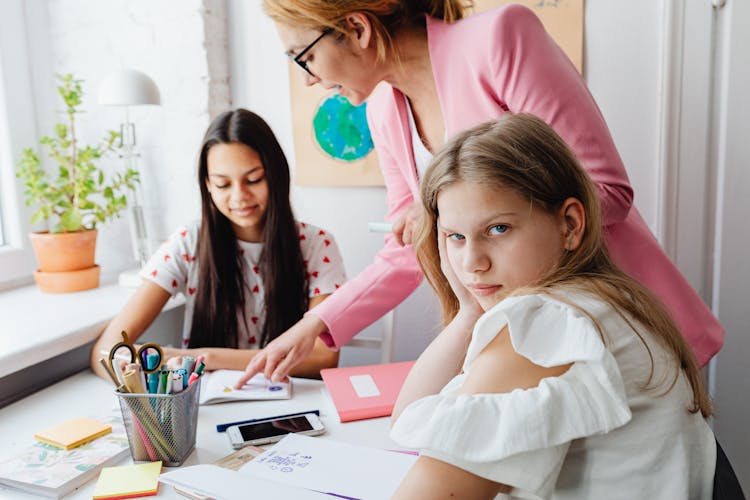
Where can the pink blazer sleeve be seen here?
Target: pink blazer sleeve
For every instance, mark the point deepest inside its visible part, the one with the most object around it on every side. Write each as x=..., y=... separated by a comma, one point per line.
x=395, y=273
x=533, y=75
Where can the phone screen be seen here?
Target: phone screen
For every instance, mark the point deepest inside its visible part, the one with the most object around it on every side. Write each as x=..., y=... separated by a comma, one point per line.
x=274, y=428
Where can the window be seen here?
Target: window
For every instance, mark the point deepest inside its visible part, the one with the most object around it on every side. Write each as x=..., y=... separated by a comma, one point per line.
x=17, y=131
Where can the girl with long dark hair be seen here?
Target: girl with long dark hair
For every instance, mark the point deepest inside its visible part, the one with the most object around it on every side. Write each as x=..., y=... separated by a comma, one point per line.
x=248, y=269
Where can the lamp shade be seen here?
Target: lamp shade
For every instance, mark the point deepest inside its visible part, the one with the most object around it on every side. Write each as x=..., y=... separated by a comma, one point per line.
x=128, y=87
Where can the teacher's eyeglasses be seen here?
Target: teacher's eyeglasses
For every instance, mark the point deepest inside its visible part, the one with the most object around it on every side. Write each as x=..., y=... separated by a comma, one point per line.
x=298, y=58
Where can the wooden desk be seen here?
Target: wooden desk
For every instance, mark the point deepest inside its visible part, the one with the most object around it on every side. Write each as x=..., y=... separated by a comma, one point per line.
x=84, y=394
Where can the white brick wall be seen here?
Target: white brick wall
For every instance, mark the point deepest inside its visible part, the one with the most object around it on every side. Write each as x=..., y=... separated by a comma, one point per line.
x=182, y=45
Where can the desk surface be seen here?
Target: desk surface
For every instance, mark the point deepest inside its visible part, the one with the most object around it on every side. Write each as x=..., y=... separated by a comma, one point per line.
x=85, y=394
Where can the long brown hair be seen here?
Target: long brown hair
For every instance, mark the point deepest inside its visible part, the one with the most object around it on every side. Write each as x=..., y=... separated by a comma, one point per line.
x=521, y=152
x=387, y=17
x=220, y=299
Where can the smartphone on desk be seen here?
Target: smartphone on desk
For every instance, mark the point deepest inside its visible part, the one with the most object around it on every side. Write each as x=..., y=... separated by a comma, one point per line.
x=273, y=429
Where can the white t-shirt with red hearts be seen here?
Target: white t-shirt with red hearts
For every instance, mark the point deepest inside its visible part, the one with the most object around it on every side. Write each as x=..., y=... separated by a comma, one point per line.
x=174, y=267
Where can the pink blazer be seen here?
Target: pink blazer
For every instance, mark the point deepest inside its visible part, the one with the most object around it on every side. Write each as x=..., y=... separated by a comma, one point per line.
x=485, y=65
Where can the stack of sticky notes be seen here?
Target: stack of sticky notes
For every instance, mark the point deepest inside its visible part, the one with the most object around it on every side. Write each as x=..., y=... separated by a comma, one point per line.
x=128, y=481
x=74, y=432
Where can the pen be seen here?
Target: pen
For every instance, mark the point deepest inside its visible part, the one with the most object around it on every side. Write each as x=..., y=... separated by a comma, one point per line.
x=223, y=427
x=380, y=227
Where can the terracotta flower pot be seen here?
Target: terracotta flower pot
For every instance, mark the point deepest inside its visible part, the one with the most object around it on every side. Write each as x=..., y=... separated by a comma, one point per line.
x=68, y=281
x=64, y=252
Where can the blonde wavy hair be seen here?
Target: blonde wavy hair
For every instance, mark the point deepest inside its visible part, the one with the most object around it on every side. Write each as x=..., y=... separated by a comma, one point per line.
x=521, y=152
x=387, y=17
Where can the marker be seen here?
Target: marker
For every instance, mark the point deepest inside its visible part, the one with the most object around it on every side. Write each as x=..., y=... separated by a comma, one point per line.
x=183, y=373
x=177, y=384
x=187, y=363
x=380, y=227
x=197, y=373
x=152, y=360
x=163, y=381
x=153, y=383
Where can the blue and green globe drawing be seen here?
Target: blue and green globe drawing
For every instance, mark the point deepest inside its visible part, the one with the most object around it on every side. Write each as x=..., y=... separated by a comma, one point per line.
x=341, y=129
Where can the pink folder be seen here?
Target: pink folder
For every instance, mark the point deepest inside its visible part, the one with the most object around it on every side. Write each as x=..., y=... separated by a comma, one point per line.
x=361, y=392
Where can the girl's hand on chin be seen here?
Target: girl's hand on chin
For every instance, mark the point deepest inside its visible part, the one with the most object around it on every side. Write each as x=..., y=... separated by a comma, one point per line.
x=469, y=308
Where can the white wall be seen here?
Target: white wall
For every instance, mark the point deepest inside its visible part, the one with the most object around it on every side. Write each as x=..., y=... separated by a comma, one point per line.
x=731, y=157
x=166, y=39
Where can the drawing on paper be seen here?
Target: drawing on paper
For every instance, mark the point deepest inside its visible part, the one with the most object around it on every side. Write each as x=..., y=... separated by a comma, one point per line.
x=341, y=129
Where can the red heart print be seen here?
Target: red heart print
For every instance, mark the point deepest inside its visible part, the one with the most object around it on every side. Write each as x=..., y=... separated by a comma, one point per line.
x=316, y=291
x=256, y=270
x=326, y=260
x=336, y=285
x=186, y=257
x=315, y=273
x=327, y=242
x=256, y=289
x=252, y=339
x=302, y=237
x=183, y=232
x=153, y=273
x=303, y=224
x=255, y=320
x=166, y=257
x=321, y=232
x=174, y=283
x=191, y=291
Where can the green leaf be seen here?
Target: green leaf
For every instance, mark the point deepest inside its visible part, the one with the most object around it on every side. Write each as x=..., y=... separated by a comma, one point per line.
x=71, y=220
x=61, y=130
x=37, y=217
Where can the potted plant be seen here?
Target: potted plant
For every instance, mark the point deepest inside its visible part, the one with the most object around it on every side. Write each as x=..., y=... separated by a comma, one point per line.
x=73, y=200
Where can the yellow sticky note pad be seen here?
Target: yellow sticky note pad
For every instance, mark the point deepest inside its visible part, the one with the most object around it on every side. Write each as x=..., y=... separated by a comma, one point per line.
x=128, y=481
x=74, y=432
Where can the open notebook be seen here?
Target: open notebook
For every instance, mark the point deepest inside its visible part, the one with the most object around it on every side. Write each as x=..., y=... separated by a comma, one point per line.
x=218, y=387
x=301, y=467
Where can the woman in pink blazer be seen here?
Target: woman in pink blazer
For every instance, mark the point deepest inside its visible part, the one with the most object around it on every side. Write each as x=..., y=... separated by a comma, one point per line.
x=426, y=69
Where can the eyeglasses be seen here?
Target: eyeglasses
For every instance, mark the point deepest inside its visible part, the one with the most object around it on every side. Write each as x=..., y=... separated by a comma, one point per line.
x=298, y=58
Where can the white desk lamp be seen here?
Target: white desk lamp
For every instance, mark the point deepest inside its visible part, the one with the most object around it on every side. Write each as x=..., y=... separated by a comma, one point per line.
x=127, y=88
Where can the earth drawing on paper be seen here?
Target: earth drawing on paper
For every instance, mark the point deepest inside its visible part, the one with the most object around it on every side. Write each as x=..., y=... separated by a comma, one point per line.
x=341, y=130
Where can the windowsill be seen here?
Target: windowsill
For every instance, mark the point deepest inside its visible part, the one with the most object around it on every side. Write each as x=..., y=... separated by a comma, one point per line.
x=36, y=327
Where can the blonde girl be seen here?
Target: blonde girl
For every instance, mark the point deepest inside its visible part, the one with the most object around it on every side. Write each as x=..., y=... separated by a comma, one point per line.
x=557, y=375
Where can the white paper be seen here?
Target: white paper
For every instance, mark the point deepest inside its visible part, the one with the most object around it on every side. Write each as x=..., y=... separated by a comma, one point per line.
x=218, y=387
x=332, y=467
x=364, y=386
x=224, y=484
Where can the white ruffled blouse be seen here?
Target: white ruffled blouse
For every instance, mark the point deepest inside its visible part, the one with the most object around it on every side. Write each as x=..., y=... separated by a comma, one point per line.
x=594, y=432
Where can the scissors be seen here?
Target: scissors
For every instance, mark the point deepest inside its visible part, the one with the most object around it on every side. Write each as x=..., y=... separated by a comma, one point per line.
x=137, y=356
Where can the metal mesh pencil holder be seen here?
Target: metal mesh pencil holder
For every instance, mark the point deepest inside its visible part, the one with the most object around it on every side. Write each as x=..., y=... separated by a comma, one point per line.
x=161, y=426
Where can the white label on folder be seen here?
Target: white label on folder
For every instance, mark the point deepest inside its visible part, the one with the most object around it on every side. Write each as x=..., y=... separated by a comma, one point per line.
x=364, y=386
